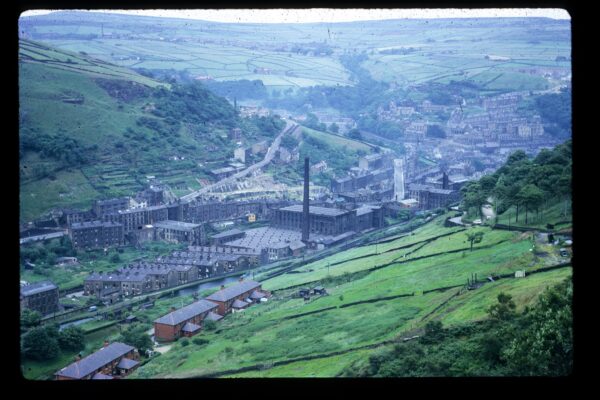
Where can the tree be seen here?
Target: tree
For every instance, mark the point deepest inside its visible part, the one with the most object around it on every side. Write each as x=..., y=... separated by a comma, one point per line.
x=435, y=131
x=30, y=318
x=115, y=258
x=504, y=310
x=434, y=332
x=355, y=134
x=545, y=347
x=474, y=237
x=137, y=337
x=40, y=344
x=531, y=197
x=334, y=128
x=72, y=338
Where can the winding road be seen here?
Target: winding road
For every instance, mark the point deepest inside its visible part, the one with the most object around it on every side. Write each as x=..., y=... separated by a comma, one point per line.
x=289, y=127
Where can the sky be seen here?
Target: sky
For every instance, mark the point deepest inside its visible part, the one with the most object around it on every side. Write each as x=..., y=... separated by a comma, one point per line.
x=331, y=15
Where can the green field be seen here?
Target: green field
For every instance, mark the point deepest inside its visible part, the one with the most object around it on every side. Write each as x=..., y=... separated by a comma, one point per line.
x=265, y=334
x=102, y=115
x=442, y=50
x=337, y=141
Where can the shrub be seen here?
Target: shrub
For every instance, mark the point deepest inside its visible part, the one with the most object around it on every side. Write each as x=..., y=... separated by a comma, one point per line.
x=200, y=341
x=210, y=325
x=184, y=342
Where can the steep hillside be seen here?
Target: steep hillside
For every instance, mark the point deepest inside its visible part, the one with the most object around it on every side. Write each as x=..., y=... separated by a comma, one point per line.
x=377, y=296
x=90, y=129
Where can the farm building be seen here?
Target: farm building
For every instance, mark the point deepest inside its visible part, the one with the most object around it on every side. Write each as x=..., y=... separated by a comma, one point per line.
x=111, y=361
x=186, y=321
x=234, y=296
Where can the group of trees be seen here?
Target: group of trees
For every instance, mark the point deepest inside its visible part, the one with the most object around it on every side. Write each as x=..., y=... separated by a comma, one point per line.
x=242, y=89
x=435, y=131
x=555, y=109
x=46, y=253
x=45, y=342
x=60, y=147
x=536, y=342
x=135, y=335
x=525, y=183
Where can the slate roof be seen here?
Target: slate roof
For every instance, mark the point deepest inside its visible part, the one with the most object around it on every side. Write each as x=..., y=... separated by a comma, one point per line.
x=126, y=363
x=329, y=212
x=176, y=225
x=191, y=327
x=228, y=233
x=96, y=360
x=233, y=291
x=239, y=304
x=257, y=295
x=186, y=313
x=38, y=287
x=213, y=316
x=297, y=245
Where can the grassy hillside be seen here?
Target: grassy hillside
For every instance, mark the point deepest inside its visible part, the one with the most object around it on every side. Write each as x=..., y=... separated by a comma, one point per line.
x=89, y=129
x=365, y=309
x=402, y=51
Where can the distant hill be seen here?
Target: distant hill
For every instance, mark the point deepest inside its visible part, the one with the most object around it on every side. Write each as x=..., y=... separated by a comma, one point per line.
x=90, y=129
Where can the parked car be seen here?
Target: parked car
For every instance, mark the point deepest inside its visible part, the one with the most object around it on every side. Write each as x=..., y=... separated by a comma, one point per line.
x=92, y=308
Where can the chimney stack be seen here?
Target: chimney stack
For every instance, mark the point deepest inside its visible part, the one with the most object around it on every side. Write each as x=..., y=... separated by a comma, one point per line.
x=106, y=343
x=173, y=309
x=222, y=287
x=305, y=205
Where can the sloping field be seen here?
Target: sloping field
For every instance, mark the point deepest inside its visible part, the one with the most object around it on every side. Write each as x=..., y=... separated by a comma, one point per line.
x=291, y=337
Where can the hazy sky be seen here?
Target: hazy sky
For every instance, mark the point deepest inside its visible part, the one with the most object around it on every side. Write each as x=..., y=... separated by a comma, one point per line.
x=332, y=15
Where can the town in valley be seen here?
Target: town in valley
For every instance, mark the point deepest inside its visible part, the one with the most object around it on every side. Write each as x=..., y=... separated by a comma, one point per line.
x=364, y=198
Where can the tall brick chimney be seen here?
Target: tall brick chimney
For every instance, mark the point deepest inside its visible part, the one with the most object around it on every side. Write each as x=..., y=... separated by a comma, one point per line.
x=305, y=205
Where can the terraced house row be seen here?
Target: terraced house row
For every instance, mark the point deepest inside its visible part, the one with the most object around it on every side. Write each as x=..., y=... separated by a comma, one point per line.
x=189, y=320
x=180, y=268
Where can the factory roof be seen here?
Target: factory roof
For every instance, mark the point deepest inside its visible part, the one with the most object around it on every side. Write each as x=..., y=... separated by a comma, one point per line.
x=169, y=224
x=228, y=233
x=329, y=212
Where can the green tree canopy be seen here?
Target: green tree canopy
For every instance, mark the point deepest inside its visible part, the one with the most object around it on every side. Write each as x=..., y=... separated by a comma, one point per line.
x=41, y=343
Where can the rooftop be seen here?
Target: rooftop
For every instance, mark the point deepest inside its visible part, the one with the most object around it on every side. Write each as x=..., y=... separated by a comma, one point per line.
x=330, y=212
x=186, y=313
x=169, y=224
x=94, y=224
x=95, y=360
x=228, y=233
x=126, y=363
x=38, y=287
x=233, y=291
x=190, y=327
x=239, y=304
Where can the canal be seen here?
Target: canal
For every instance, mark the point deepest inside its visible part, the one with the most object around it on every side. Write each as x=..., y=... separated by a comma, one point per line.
x=75, y=323
x=199, y=287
